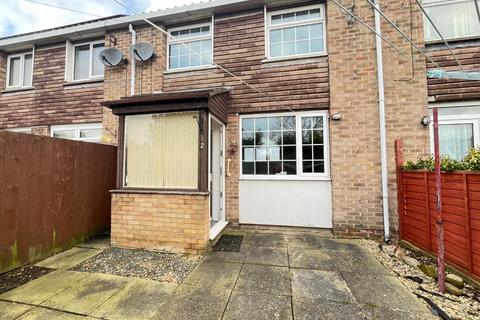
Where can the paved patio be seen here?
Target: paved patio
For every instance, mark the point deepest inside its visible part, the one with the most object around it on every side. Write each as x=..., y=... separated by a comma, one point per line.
x=274, y=276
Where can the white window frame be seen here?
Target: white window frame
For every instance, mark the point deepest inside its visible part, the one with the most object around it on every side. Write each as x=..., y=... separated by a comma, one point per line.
x=457, y=119
x=299, y=160
x=170, y=41
x=77, y=128
x=435, y=3
x=20, y=130
x=22, y=71
x=268, y=27
x=90, y=62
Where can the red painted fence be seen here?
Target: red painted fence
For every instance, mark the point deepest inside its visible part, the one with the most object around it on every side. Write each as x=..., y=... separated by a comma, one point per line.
x=461, y=214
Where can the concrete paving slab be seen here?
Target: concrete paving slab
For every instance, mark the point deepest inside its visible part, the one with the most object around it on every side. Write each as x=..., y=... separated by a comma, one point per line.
x=68, y=259
x=318, y=284
x=314, y=309
x=12, y=310
x=265, y=240
x=258, y=306
x=220, y=274
x=140, y=299
x=275, y=256
x=358, y=262
x=43, y=288
x=382, y=291
x=382, y=313
x=341, y=245
x=310, y=259
x=264, y=279
x=194, y=302
x=40, y=313
x=307, y=241
x=223, y=256
x=88, y=294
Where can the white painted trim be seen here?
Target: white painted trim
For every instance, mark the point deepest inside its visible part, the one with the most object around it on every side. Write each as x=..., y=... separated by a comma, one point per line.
x=222, y=161
x=473, y=103
x=187, y=40
x=20, y=130
x=298, y=130
x=217, y=228
x=268, y=26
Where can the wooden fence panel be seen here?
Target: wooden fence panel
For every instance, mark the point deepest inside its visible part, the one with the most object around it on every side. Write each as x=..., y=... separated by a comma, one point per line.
x=461, y=212
x=53, y=194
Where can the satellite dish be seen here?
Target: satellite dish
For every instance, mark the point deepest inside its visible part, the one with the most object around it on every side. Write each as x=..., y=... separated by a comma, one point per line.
x=142, y=51
x=111, y=57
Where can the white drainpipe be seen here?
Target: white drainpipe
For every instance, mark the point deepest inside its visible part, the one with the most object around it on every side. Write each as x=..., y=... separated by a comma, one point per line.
x=132, y=79
x=383, y=136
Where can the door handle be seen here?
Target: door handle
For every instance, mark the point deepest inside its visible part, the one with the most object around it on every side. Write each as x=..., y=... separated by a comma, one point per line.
x=228, y=167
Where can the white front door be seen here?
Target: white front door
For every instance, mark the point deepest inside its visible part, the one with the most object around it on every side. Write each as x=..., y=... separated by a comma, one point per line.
x=216, y=173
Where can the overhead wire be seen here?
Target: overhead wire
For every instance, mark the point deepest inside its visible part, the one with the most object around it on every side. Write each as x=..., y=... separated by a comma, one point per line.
x=403, y=52
x=64, y=8
x=403, y=34
x=439, y=33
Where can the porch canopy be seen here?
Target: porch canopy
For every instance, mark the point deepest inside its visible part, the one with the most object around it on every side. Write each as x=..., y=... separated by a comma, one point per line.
x=163, y=139
x=213, y=100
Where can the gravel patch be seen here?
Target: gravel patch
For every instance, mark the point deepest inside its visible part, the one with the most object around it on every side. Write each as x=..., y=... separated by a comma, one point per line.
x=17, y=277
x=465, y=307
x=156, y=266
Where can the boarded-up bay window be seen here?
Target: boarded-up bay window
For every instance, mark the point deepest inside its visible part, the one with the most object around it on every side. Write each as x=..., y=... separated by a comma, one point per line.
x=161, y=151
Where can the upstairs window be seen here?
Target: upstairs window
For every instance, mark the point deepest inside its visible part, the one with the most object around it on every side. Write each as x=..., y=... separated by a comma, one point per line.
x=296, y=32
x=190, y=47
x=19, y=70
x=454, y=19
x=83, y=61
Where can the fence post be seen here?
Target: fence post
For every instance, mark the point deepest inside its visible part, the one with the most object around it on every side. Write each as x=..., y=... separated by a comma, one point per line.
x=467, y=223
x=400, y=196
x=427, y=206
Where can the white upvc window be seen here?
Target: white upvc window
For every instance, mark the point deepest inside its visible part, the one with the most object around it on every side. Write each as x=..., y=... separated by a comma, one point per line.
x=21, y=130
x=190, y=47
x=90, y=132
x=457, y=134
x=295, y=32
x=20, y=70
x=455, y=19
x=285, y=145
x=83, y=61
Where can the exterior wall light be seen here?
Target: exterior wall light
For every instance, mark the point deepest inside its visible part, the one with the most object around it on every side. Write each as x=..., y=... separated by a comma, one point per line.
x=425, y=121
x=336, y=116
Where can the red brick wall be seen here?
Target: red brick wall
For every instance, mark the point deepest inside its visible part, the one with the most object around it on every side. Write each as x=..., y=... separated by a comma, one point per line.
x=454, y=90
x=51, y=102
x=165, y=222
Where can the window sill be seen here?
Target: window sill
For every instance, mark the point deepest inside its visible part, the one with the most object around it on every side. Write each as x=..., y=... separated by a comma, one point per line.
x=184, y=70
x=22, y=89
x=157, y=191
x=295, y=58
x=451, y=41
x=283, y=178
x=80, y=82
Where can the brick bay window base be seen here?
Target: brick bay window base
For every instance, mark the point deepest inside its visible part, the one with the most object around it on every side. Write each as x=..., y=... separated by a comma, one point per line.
x=173, y=222
x=170, y=186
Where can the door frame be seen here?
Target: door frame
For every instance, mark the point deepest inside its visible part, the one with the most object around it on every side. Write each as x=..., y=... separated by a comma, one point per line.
x=218, y=227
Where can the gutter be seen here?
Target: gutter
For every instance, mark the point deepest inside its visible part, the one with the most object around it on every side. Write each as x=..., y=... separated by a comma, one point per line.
x=383, y=134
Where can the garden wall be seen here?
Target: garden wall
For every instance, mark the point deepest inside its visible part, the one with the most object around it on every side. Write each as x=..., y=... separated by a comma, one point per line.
x=54, y=193
x=461, y=214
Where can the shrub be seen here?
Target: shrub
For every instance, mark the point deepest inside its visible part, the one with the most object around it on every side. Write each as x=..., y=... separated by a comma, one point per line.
x=471, y=162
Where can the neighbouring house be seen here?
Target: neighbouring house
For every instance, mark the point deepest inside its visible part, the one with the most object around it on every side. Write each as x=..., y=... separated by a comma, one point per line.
x=250, y=112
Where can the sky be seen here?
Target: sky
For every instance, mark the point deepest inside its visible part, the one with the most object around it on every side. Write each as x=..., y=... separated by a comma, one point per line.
x=20, y=16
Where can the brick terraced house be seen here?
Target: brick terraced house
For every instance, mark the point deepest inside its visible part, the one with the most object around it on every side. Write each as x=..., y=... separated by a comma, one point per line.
x=248, y=112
